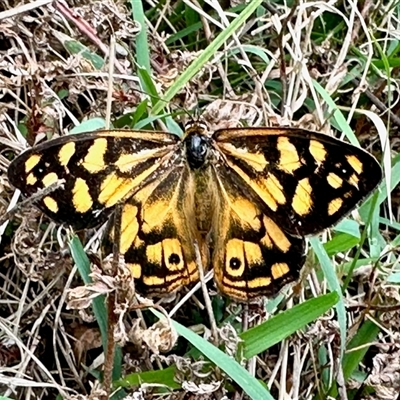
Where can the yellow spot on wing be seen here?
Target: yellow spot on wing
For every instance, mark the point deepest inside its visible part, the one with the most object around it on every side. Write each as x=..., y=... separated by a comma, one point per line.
x=334, y=180
x=256, y=160
x=154, y=214
x=51, y=204
x=276, y=235
x=278, y=270
x=153, y=280
x=94, y=159
x=264, y=192
x=246, y=211
x=136, y=270
x=65, y=153
x=253, y=254
x=353, y=180
x=259, y=282
x=229, y=282
x=355, y=163
x=266, y=241
x=31, y=179
x=127, y=161
x=154, y=253
x=81, y=197
x=347, y=195
x=129, y=227
x=259, y=187
x=31, y=162
x=302, y=201
x=289, y=158
x=138, y=242
x=115, y=188
x=175, y=280
x=335, y=205
x=275, y=188
x=49, y=179
x=317, y=150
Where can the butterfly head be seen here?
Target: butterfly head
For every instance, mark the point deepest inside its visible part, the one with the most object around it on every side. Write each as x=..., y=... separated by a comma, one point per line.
x=197, y=144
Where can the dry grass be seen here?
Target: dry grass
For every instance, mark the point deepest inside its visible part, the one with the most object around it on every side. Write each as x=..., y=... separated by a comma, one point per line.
x=301, y=66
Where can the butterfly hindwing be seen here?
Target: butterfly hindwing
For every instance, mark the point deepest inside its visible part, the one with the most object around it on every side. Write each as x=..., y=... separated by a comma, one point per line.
x=252, y=255
x=158, y=233
x=95, y=171
x=306, y=180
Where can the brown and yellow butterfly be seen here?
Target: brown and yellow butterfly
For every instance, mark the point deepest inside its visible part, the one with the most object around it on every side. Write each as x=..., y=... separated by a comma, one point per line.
x=249, y=195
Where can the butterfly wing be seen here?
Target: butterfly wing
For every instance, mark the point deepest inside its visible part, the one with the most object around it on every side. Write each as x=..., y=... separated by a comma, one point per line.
x=158, y=232
x=252, y=255
x=274, y=186
x=306, y=181
x=144, y=172
x=94, y=171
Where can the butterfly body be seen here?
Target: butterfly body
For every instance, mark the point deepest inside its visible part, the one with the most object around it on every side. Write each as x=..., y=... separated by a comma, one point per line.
x=197, y=146
x=247, y=196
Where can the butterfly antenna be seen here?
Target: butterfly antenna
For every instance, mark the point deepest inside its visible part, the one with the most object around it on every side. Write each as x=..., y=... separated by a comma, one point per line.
x=111, y=56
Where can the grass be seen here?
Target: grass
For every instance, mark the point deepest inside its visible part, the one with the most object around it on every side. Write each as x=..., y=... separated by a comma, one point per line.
x=315, y=66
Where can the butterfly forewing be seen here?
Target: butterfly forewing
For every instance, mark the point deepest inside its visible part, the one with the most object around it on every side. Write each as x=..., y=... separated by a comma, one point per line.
x=307, y=181
x=91, y=172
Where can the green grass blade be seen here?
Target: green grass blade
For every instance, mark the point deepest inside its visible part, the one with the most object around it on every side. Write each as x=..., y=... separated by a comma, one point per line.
x=394, y=182
x=337, y=114
x=183, y=33
x=363, y=339
x=334, y=286
x=250, y=385
x=206, y=54
x=348, y=226
x=271, y=332
x=340, y=243
x=365, y=335
x=142, y=47
x=160, y=377
x=148, y=84
x=83, y=264
x=90, y=125
x=75, y=47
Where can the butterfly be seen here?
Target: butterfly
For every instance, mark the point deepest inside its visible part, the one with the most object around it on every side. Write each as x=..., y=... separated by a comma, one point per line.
x=247, y=196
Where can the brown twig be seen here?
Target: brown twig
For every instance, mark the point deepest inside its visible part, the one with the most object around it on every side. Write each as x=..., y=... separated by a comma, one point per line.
x=112, y=318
